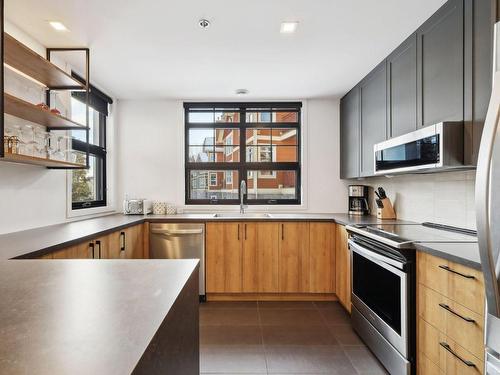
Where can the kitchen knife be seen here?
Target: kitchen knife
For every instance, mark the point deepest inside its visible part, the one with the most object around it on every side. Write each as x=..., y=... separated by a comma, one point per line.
x=379, y=202
x=381, y=191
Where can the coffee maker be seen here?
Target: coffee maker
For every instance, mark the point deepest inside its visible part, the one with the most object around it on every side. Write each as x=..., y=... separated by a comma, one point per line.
x=358, y=200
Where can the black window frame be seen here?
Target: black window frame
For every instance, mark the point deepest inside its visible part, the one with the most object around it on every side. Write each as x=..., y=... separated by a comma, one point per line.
x=243, y=166
x=99, y=152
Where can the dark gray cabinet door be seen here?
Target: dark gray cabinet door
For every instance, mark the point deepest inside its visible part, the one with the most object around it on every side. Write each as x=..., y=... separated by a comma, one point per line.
x=349, y=134
x=440, y=66
x=402, y=88
x=373, y=93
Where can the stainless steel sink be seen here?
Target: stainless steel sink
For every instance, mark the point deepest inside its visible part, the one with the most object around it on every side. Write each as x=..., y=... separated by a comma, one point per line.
x=237, y=215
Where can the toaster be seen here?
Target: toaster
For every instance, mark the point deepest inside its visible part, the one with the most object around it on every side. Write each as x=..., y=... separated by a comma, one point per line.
x=137, y=207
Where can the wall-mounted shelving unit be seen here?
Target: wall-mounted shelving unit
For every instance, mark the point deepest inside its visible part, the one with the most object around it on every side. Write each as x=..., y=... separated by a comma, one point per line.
x=26, y=62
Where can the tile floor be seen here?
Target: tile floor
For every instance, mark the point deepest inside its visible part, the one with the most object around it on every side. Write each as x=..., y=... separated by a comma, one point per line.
x=281, y=338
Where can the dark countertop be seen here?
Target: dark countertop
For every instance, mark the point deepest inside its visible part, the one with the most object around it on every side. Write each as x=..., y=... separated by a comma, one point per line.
x=84, y=316
x=463, y=253
x=46, y=239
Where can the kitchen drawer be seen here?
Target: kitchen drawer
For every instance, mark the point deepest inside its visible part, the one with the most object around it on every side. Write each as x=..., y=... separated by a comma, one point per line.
x=426, y=367
x=454, y=320
x=438, y=350
x=459, y=283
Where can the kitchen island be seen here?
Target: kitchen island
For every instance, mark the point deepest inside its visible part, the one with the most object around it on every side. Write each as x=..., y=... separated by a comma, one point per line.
x=99, y=317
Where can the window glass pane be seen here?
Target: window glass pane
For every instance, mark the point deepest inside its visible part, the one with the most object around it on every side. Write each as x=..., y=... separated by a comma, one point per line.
x=199, y=137
x=227, y=137
x=285, y=154
x=284, y=136
x=227, y=117
x=86, y=182
x=78, y=114
x=272, y=185
x=201, y=117
x=285, y=117
x=258, y=117
x=213, y=185
x=257, y=136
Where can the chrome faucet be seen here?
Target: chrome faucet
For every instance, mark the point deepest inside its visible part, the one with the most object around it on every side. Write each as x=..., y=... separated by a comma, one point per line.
x=243, y=191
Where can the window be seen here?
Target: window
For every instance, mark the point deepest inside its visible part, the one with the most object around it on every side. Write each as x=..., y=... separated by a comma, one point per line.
x=89, y=185
x=231, y=142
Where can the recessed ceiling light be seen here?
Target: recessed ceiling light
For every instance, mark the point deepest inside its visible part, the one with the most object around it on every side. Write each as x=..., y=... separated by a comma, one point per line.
x=204, y=23
x=288, y=27
x=59, y=26
x=241, y=92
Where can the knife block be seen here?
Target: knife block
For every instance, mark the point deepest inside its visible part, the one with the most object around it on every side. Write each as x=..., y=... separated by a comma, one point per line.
x=387, y=212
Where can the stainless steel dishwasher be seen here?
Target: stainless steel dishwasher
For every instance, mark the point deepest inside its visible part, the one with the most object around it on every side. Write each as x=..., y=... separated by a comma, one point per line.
x=179, y=241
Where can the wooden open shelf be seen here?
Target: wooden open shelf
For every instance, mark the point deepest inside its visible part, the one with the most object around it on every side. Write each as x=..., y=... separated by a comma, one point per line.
x=25, y=60
x=43, y=162
x=30, y=112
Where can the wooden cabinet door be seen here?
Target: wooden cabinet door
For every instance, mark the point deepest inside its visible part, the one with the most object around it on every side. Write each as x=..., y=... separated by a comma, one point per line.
x=322, y=257
x=402, y=88
x=294, y=257
x=350, y=134
x=223, y=257
x=113, y=246
x=134, y=242
x=343, y=267
x=373, y=93
x=440, y=65
x=260, y=257
x=84, y=250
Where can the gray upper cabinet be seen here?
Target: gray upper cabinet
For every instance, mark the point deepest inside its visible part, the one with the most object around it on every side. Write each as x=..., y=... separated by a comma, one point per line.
x=402, y=88
x=440, y=66
x=349, y=134
x=373, y=93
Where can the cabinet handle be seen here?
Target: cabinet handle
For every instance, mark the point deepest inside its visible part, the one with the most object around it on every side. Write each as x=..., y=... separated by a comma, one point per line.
x=238, y=232
x=282, y=232
x=245, y=232
x=91, y=247
x=464, y=361
x=98, y=243
x=446, y=268
x=448, y=308
x=122, y=240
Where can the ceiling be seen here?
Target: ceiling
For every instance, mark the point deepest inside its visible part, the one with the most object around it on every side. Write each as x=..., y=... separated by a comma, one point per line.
x=155, y=48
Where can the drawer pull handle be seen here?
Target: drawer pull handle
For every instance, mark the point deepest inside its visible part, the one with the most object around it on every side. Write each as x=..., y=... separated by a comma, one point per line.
x=464, y=361
x=446, y=268
x=448, y=308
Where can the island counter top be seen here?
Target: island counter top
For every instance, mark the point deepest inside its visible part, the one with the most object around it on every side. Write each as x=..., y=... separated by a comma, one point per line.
x=99, y=317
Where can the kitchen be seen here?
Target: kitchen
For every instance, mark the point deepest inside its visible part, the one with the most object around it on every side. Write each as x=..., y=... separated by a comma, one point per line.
x=172, y=205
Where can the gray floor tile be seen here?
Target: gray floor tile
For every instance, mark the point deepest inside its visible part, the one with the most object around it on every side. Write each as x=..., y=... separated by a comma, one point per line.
x=286, y=305
x=298, y=335
x=230, y=335
x=335, y=315
x=345, y=335
x=232, y=359
x=308, y=359
x=229, y=305
x=364, y=361
x=290, y=317
x=229, y=317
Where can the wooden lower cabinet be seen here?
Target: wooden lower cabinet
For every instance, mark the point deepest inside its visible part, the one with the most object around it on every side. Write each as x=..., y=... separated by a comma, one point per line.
x=294, y=257
x=322, y=257
x=343, y=267
x=450, y=327
x=270, y=257
x=127, y=243
x=224, y=257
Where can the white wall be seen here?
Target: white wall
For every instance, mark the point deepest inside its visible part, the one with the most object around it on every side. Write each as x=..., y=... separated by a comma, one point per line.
x=151, y=154
x=33, y=196
x=445, y=198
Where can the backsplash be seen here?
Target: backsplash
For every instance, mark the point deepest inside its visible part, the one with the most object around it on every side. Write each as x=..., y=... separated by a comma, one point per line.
x=445, y=198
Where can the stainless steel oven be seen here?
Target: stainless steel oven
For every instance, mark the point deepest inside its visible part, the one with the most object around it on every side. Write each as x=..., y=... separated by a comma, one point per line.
x=382, y=291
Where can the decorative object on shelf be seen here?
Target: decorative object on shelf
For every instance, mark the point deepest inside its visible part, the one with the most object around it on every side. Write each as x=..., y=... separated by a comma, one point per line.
x=171, y=209
x=159, y=208
x=385, y=211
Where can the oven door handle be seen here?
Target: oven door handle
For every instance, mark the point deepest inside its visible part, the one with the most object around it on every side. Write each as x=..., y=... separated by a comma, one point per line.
x=378, y=258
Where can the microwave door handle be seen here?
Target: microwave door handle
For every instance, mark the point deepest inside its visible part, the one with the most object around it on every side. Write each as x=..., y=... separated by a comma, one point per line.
x=392, y=265
x=484, y=201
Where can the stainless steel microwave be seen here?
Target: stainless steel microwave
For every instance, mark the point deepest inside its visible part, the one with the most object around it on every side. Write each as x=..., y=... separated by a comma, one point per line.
x=433, y=148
